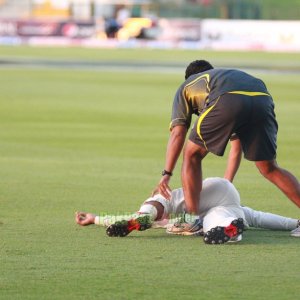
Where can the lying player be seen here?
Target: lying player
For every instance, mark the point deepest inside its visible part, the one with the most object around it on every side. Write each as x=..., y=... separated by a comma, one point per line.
x=222, y=218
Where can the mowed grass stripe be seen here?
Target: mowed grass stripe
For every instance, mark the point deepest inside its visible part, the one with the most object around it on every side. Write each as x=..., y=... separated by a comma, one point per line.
x=95, y=141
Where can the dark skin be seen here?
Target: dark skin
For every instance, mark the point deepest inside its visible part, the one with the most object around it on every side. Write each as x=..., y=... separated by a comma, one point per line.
x=192, y=166
x=174, y=148
x=234, y=159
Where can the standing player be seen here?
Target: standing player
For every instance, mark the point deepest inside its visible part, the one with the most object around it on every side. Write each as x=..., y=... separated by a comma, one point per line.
x=229, y=102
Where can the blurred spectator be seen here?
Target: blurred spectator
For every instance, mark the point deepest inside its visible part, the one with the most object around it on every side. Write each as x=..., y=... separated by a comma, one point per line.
x=111, y=27
x=123, y=13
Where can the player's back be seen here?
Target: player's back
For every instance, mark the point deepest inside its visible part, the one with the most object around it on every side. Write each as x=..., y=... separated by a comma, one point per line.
x=221, y=81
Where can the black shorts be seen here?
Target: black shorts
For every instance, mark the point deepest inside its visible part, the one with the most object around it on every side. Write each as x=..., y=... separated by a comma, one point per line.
x=250, y=117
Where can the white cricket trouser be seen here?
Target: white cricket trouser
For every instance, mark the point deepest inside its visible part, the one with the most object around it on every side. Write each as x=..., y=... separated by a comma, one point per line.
x=219, y=203
x=259, y=219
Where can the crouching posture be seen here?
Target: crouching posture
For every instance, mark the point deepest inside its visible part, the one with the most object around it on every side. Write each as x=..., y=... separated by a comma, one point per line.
x=222, y=218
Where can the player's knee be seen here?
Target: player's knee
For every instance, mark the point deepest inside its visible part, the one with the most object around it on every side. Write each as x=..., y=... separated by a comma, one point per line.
x=192, y=150
x=266, y=167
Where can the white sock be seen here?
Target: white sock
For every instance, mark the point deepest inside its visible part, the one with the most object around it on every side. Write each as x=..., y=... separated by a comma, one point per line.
x=107, y=220
x=189, y=218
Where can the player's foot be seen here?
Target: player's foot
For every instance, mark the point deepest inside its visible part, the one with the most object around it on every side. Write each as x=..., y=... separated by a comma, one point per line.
x=183, y=228
x=124, y=227
x=296, y=231
x=220, y=235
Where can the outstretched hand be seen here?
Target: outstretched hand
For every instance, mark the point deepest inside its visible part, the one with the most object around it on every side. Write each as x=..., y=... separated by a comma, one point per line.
x=163, y=188
x=84, y=219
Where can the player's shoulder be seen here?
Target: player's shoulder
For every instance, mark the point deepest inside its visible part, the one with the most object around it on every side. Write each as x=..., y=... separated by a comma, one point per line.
x=226, y=72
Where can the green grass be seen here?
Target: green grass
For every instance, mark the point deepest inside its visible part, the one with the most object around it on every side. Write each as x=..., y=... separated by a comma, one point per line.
x=95, y=141
x=180, y=58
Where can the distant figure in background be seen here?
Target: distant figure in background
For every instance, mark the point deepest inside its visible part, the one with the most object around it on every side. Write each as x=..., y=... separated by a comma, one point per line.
x=111, y=28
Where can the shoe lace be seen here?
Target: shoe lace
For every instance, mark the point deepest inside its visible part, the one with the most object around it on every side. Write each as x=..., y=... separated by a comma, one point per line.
x=197, y=225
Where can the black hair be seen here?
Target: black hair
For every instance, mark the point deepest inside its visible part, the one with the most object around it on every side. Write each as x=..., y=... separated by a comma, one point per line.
x=197, y=66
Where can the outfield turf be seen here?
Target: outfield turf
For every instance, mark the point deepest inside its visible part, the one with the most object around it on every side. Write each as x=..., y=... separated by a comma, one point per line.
x=73, y=139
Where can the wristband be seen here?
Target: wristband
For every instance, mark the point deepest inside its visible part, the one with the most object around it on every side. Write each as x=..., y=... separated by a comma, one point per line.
x=164, y=172
x=97, y=220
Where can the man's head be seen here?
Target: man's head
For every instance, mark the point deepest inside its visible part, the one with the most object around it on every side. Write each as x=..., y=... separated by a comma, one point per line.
x=197, y=66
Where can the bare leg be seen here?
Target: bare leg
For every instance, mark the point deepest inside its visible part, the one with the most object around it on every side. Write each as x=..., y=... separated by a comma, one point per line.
x=234, y=159
x=283, y=179
x=191, y=175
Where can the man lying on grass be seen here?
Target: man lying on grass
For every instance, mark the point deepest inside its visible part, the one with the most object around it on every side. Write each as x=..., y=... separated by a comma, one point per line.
x=222, y=218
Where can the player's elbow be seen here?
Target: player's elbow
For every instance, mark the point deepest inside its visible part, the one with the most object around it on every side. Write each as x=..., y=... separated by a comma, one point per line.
x=179, y=132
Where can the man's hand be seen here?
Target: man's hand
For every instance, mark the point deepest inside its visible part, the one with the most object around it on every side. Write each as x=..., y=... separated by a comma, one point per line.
x=163, y=187
x=84, y=219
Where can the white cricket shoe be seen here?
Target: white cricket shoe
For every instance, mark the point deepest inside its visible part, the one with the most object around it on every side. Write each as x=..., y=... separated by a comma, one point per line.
x=181, y=227
x=220, y=235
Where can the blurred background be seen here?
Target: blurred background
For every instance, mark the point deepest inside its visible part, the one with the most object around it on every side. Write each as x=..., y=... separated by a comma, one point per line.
x=198, y=24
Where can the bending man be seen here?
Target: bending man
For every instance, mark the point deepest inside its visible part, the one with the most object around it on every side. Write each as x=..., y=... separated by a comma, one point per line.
x=229, y=103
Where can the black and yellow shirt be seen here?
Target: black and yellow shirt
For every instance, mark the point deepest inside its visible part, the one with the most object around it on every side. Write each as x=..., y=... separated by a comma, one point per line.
x=199, y=89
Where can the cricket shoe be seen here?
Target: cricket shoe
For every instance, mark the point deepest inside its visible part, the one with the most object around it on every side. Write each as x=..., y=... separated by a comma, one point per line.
x=220, y=235
x=124, y=227
x=183, y=228
x=296, y=231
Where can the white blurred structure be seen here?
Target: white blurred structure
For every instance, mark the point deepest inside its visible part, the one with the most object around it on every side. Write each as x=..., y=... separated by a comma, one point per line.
x=79, y=9
x=129, y=23
x=15, y=8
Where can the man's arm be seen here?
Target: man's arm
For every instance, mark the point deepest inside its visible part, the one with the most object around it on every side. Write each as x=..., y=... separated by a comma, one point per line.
x=174, y=148
x=234, y=159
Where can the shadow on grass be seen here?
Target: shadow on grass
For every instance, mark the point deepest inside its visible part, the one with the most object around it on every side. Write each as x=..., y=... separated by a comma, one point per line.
x=250, y=237
x=264, y=236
